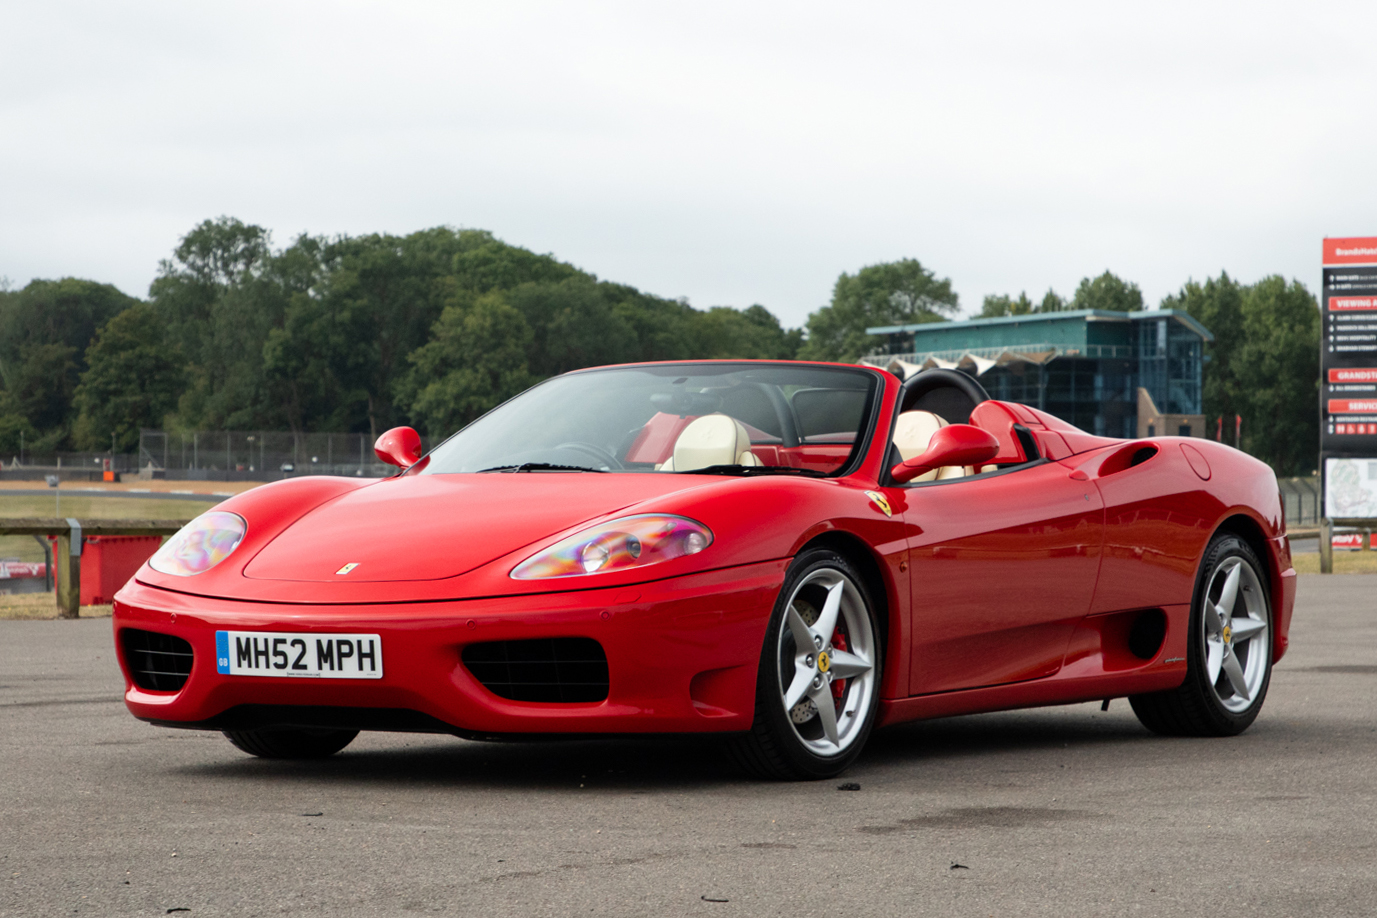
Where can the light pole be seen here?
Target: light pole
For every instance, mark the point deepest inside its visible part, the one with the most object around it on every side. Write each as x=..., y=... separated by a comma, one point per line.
x=251, y=439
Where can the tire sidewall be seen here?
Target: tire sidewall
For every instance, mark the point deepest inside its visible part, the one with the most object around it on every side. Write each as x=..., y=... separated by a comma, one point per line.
x=1222, y=548
x=768, y=703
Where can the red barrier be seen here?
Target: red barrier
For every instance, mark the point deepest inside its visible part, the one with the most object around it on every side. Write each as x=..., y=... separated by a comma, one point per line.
x=107, y=563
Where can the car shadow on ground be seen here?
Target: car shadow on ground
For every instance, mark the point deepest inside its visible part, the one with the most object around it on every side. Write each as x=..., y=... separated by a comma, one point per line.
x=654, y=763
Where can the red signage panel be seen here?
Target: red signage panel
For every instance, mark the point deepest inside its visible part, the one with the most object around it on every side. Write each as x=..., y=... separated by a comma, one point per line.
x=1354, y=251
x=1353, y=375
x=1352, y=406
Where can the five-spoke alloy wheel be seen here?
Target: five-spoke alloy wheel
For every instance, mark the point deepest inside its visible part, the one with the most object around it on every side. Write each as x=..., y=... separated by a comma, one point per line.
x=1229, y=649
x=818, y=687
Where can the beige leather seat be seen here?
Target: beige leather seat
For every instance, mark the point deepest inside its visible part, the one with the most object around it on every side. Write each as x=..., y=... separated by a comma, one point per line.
x=912, y=432
x=713, y=439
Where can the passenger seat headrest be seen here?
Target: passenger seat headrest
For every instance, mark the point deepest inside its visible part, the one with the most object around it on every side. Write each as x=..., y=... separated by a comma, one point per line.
x=913, y=432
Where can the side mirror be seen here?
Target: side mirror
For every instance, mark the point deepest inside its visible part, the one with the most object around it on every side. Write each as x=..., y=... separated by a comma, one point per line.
x=955, y=444
x=400, y=446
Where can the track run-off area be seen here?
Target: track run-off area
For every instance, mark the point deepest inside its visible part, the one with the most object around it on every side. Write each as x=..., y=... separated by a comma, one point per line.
x=1056, y=811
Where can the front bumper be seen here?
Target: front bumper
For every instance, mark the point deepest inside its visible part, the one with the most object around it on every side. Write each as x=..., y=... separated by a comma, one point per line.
x=682, y=657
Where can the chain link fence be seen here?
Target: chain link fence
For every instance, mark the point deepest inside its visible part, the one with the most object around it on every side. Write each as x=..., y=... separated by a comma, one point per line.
x=215, y=455
x=1301, y=500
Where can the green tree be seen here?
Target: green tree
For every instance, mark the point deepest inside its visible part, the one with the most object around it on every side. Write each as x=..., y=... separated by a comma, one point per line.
x=16, y=433
x=42, y=384
x=892, y=293
x=475, y=360
x=65, y=312
x=44, y=331
x=572, y=325
x=1263, y=364
x=753, y=333
x=1107, y=292
x=998, y=305
x=1278, y=371
x=132, y=380
x=1051, y=302
x=1218, y=305
x=484, y=264
x=218, y=303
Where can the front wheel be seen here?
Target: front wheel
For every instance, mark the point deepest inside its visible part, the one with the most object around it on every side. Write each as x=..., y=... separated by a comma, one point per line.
x=291, y=742
x=818, y=688
x=1228, y=650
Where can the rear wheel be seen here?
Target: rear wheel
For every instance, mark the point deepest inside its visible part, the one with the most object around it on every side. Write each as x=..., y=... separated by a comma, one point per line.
x=1228, y=650
x=818, y=688
x=291, y=742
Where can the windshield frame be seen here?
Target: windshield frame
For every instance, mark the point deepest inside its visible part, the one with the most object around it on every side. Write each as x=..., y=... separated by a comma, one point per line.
x=860, y=447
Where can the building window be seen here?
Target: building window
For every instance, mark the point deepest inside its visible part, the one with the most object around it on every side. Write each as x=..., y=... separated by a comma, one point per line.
x=1152, y=430
x=1184, y=430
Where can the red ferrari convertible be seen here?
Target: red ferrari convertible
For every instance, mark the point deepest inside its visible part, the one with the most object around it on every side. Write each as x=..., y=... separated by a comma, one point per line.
x=789, y=553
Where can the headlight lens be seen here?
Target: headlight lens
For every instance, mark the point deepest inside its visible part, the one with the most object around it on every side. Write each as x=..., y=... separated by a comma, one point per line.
x=200, y=545
x=633, y=541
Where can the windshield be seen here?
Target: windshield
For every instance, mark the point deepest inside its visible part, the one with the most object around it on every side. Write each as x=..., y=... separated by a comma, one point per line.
x=718, y=418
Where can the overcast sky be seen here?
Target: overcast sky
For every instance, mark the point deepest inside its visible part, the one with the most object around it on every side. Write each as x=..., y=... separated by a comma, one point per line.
x=729, y=153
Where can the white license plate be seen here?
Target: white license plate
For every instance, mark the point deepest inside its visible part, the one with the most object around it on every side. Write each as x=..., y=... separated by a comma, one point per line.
x=285, y=653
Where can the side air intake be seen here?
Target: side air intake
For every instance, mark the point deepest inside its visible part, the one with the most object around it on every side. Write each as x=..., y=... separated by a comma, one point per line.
x=549, y=670
x=158, y=662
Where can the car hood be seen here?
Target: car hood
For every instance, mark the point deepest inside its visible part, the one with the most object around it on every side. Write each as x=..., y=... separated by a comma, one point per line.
x=442, y=538
x=433, y=527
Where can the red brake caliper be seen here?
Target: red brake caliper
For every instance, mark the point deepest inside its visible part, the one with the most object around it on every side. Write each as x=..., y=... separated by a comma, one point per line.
x=839, y=685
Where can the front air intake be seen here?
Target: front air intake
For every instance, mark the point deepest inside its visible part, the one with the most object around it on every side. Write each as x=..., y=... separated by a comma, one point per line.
x=157, y=662
x=550, y=670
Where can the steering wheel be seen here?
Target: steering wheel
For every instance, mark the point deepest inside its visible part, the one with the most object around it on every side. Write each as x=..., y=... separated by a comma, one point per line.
x=603, y=457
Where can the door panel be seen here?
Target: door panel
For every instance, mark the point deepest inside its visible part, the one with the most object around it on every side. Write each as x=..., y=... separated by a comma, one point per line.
x=1002, y=569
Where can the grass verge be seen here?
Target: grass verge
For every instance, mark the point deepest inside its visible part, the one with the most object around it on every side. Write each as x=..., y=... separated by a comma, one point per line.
x=1345, y=562
x=41, y=605
x=25, y=548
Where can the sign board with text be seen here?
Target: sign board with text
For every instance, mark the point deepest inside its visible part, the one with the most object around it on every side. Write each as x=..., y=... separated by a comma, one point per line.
x=1348, y=348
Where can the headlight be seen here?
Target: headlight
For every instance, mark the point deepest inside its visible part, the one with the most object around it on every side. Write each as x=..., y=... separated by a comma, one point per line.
x=200, y=545
x=633, y=541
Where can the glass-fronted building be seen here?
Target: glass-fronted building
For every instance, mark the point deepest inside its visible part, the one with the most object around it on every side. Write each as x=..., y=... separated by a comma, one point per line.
x=1114, y=374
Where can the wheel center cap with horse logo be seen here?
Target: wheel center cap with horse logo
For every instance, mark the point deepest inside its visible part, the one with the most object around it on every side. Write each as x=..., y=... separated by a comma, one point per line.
x=824, y=662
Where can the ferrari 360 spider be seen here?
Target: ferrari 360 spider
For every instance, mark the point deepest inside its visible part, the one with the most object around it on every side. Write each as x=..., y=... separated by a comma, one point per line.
x=787, y=554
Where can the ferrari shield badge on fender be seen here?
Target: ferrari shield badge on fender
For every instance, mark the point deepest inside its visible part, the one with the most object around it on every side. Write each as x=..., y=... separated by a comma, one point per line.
x=347, y=568
x=878, y=500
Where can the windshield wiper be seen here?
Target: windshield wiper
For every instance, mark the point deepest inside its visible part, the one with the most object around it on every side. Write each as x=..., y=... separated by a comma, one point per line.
x=753, y=470
x=540, y=467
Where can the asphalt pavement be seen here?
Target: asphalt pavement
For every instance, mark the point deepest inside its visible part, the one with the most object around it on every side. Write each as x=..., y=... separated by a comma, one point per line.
x=1055, y=811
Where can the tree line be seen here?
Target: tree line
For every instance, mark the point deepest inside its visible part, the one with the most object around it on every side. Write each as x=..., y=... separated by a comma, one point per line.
x=434, y=328
x=329, y=334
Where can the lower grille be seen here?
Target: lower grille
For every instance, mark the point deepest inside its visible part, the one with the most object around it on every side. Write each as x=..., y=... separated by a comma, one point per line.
x=552, y=670
x=157, y=662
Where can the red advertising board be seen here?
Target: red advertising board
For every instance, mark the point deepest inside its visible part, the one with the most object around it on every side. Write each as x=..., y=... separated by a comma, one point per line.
x=1347, y=541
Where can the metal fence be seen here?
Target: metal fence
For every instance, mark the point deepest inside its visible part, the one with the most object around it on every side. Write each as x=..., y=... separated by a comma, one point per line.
x=217, y=455
x=1300, y=498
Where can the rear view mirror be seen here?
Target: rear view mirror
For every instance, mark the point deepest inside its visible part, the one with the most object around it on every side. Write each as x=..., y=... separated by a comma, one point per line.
x=955, y=444
x=400, y=446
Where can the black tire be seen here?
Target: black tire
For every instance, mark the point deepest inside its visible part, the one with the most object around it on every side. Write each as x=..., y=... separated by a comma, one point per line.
x=774, y=748
x=291, y=742
x=1195, y=708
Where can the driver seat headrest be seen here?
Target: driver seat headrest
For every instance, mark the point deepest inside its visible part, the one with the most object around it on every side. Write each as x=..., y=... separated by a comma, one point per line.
x=713, y=439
